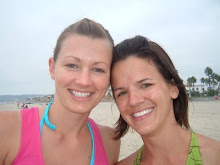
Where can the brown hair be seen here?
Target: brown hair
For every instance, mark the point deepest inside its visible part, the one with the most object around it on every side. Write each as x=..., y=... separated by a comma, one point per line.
x=141, y=47
x=85, y=27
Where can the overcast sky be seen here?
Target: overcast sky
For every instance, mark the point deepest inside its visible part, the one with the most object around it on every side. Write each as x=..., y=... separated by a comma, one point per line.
x=188, y=30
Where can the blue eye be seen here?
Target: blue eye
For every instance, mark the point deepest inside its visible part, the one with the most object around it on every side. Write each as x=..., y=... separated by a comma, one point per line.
x=71, y=66
x=146, y=85
x=98, y=70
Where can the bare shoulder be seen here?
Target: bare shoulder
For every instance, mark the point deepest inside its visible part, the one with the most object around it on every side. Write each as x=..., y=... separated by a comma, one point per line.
x=210, y=149
x=9, y=135
x=112, y=146
x=9, y=122
x=106, y=131
x=128, y=160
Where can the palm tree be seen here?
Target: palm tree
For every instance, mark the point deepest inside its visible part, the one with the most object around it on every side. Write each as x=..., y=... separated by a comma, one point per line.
x=208, y=72
x=218, y=79
x=213, y=79
x=208, y=82
x=202, y=83
x=193, y=80
x=189, y=84
x=189, y=81
x=217, y=82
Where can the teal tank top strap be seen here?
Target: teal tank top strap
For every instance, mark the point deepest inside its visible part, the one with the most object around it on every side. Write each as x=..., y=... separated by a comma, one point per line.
x=45, y=119
x=138, y=157
x=194, y=156
x=92, y=160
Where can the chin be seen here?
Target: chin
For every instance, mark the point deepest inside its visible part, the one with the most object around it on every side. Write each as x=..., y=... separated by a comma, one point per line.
x=144, y=131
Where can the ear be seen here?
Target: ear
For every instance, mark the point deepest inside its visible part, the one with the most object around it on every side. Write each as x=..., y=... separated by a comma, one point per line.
x=52, y=67
x=174, y=91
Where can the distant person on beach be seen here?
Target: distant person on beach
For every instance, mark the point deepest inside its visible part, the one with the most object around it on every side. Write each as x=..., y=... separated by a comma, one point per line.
x=22, y=106
x=62, y=133
x=152, y=99
x=18, y=104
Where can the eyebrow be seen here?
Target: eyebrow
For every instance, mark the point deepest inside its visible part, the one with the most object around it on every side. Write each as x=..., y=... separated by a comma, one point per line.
x=139, y=82
x=118, y=89
x=146, y=79
x=76, y=58
x=79, y=60
x=96, y=63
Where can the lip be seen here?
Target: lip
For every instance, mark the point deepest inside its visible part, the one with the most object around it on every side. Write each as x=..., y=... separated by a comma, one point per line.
x=143, y=113
x=81, y=95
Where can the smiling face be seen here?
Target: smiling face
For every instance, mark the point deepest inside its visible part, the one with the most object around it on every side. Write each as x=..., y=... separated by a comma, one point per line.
x=81, y=72
x=144, y=98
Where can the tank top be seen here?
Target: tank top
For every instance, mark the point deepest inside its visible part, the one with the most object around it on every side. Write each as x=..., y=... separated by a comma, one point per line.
x=194, y=155
x=30, y=151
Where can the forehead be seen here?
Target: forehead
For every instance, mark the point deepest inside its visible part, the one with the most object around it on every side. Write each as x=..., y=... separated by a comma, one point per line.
x=74, y=40
x=79, y=45
x=134, y=63
x=133, y=69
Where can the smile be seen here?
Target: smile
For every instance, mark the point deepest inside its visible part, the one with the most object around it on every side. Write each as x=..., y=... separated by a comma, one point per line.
x=81, y=94
x=142, y=113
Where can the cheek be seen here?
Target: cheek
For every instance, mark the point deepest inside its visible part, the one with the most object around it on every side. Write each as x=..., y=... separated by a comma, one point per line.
x=121, y=104
x=153, y=95
x=102, y=82
x=160, y=93
x=62, y=78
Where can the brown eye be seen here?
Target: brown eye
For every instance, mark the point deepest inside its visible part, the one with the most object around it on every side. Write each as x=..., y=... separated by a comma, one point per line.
x=121, y=94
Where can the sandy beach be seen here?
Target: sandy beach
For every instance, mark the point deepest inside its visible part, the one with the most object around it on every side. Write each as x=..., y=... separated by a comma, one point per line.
x=204, y=117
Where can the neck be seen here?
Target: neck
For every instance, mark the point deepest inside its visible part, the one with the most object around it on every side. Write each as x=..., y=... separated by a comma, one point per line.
x=168, y=144
x=66, y=121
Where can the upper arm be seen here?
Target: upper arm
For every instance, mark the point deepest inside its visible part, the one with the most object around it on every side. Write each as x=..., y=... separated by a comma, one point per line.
x=210, y=150
x=111, y=145
x=9, y=136
x=212, y=153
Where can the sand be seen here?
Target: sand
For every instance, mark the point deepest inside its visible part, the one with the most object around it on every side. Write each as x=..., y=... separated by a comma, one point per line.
x=204, y=118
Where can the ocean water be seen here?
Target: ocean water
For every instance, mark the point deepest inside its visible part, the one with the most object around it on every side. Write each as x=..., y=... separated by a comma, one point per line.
x=5, y=99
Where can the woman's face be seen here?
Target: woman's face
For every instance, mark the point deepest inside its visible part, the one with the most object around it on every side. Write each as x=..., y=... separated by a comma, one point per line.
x=81, y=72
x=143, y=97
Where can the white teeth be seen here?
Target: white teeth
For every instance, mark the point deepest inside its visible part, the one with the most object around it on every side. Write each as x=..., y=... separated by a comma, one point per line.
x=81, y=94
x=144, y=112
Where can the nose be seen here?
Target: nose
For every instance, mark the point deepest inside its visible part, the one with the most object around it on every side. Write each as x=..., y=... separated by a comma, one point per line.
x=135, y=98
x=84, y=78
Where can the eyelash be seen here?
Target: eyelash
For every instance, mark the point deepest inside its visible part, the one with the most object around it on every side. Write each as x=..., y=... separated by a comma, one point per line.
x=71, y=65
x=121, y=94
x=98, y=70
x=145, y=85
